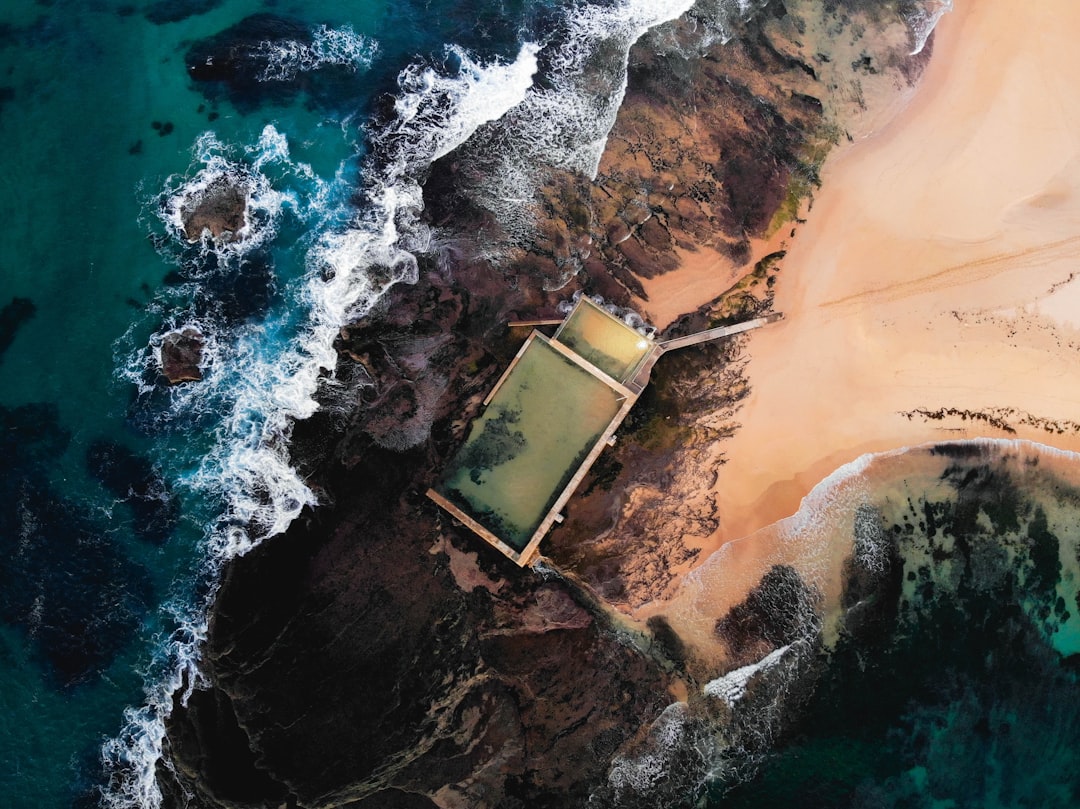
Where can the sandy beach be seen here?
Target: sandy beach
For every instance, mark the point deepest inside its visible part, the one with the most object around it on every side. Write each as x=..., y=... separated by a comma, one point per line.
x=937, y=271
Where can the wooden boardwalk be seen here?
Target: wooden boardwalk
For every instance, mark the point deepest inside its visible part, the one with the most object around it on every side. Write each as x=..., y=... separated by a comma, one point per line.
x=717, y=333
x=641, y=376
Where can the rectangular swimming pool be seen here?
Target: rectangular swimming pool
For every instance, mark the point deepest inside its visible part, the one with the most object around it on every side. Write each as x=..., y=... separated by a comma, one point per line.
x=603, y=340
x=541, y=423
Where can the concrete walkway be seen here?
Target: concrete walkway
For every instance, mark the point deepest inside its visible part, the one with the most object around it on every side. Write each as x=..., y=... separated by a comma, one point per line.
x=717, y=333
x=641, y=377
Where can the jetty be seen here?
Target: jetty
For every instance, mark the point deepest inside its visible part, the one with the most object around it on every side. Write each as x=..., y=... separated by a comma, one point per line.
x=548, y=418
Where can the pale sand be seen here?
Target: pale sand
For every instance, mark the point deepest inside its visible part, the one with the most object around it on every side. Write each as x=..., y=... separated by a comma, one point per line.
x=702, y=276
x=923, y=276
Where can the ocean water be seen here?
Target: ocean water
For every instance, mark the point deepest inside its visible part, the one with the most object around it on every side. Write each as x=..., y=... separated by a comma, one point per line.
x=914, y=642
x=120, y=498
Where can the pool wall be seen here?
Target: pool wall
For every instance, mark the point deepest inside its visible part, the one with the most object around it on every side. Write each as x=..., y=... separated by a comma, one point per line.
x=473, y=504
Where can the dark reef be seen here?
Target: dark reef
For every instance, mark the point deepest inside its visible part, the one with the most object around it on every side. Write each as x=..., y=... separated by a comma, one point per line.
x=134, y=481
x=64, y=582
x=12, y=317
x=240, y=64
x=953, y=678
x=166, y=11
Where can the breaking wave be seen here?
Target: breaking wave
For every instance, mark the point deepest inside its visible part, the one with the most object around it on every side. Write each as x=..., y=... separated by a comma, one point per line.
x=264, y=376
x=286, y=59
x=891, y=538
x=922, y=19
x=564, y=121
x=182, y=195
x=267, y=370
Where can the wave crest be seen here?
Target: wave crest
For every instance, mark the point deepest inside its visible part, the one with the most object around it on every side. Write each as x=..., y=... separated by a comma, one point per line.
x=285, y=59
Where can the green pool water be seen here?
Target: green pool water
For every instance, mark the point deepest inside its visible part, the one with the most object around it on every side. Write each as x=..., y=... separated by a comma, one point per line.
x=603, y=340
x=534, y=434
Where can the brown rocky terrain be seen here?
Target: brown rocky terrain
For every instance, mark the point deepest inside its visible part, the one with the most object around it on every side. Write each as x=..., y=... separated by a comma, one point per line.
x=220, y=210
x=181, y=354
x=376, y=655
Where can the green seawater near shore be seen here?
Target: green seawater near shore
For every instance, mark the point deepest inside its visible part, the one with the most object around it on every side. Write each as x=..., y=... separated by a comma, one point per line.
x=955, y=678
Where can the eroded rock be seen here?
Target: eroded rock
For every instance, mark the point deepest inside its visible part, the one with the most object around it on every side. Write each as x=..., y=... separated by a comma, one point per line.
x=219, y=210
x=181, y=355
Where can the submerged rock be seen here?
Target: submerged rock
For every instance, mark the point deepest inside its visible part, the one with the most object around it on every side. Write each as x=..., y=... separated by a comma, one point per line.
x=132, y=479
x=12, y=317
x=271, y=59
x=364, y=659
x=181, y=354
x=65, y=583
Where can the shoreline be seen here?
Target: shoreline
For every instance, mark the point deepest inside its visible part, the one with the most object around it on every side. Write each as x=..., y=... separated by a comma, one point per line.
x=816, y=541
x=529, y=660
x=981, y=324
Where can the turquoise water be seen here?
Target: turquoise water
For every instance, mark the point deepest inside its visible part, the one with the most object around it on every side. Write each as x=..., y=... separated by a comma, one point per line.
x=100, y=124
x=941, y=671
x=956, y=677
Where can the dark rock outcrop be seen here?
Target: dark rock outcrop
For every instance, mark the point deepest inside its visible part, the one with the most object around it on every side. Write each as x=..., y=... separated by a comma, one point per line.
x=181, y=355
x=359, y=662
x=219, y=209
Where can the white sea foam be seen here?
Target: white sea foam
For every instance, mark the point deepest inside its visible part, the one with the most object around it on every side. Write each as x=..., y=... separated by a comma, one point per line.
x=442, y=111
x=732, y=686
x=285, y=59
x=923, y=19
x=348, y=271
x=564, y=122
x=217, y=168
x=639, y=775
x=131, y=757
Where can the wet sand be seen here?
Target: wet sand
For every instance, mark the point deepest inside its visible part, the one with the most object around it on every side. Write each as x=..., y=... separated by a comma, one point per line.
x=939, y=268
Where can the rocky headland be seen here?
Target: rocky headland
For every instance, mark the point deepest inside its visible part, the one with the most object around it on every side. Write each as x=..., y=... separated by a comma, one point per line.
x=376, y=655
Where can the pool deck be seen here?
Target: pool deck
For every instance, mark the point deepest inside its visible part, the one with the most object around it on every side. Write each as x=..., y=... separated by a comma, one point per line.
x=627, y=391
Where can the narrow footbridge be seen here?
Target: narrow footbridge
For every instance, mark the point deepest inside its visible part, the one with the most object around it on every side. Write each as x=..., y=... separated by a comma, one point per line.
x=717, y=333
x=641, y=377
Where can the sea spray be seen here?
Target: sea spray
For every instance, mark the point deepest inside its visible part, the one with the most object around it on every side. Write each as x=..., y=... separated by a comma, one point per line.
x=562, y=123
x=343, y=47
x=721, y=735
x=922, y=19
x=349, y=267
x=348, y=271
x=249, y=467
x=731, y=687
x=262, y=201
